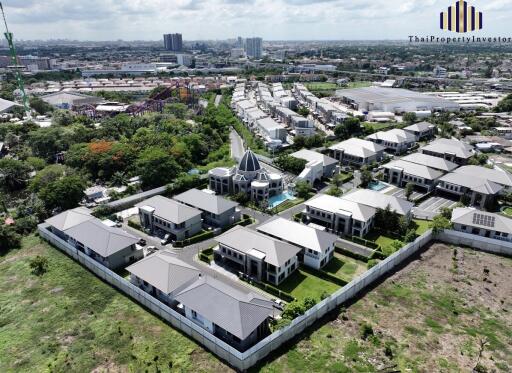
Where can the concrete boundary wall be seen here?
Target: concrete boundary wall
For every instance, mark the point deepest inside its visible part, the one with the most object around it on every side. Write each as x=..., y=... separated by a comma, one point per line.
x=244, y=360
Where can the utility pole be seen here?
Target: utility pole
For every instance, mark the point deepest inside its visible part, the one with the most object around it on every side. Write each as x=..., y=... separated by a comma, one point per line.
x=19, y=79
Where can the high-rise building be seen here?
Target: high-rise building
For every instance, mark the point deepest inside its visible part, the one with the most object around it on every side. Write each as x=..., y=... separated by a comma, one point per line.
x=173, y=42
x=240, y=42
x=254, y=47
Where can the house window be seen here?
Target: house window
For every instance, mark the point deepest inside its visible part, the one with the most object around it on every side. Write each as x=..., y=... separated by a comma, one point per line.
x=194, y=314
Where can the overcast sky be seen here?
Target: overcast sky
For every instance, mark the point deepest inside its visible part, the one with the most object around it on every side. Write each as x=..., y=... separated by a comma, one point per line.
x=223, y=19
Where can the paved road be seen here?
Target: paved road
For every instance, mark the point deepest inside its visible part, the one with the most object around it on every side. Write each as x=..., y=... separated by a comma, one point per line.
x=237, y=145
x=218, y=99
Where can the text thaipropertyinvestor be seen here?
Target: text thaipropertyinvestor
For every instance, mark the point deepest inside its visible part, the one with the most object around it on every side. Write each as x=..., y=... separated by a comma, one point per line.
x=459, y=39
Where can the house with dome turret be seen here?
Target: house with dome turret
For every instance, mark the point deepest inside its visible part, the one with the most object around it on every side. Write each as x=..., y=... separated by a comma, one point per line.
x=248, y=177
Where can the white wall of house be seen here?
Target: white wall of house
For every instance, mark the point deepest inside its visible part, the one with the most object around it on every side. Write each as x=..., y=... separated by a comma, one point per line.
x=198, y=319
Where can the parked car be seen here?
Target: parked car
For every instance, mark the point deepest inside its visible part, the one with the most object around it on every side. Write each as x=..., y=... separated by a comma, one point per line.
x=166, y=239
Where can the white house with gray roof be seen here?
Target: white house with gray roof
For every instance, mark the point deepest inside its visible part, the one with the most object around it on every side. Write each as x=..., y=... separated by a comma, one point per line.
x=318, y=165
x=216, y=210
x=431, y=161
x=480, y=191
x=401, y=172
x=257, y=255
x=495, y=175
x=162, y=275
x=450, y=149
x=422, y=130
x=396, y=141
x=110, y=246
x=485, y=224
x=357, y=152
x=237, y=317
x=317, y=247
x=162, y=216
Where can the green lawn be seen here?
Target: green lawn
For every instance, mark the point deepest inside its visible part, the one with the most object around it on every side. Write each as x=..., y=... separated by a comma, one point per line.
x=378, y=126
x=344, y=267
x=288, y=204
x=359, y=84
x=68, y=320
x=421, y=226
x=321, y=86
x=508, y=211
x=302, y=285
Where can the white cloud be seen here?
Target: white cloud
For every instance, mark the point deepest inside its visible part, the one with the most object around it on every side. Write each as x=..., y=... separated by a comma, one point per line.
x=220, y=19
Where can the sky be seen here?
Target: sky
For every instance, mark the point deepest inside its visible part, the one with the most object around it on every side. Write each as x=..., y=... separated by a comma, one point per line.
x=227, y=19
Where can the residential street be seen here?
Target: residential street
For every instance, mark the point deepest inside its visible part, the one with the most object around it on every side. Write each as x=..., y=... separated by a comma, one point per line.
x=237, y=145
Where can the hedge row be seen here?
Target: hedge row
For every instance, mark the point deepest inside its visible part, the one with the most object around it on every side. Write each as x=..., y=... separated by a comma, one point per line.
x=364, y=242
x=204, y=258
x=343, y=251
x=134, y=225
x=194, y=239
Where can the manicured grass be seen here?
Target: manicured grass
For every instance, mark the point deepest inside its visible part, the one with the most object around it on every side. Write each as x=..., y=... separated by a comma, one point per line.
x=68, y=320
x=378, y=126
x=359, y=84
x=508, y=211
x=321, y=86
x=421, y=226
x=344, y=267
x=302, y=285
x=288, y=204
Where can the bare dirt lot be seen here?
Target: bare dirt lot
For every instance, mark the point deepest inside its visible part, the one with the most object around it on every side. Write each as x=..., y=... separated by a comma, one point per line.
x=449, y=311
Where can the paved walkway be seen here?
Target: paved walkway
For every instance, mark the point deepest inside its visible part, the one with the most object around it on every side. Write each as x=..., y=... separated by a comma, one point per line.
x=237, y=146
x=354, y=247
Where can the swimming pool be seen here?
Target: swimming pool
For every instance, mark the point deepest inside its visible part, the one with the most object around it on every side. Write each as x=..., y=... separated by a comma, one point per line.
x=376, y=186
x=280, y=198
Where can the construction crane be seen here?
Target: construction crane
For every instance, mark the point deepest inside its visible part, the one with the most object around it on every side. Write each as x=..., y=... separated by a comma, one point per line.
x=14, y=58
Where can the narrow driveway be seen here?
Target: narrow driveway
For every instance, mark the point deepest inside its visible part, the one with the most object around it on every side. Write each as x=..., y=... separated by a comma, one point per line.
x=237, y=146
x=354, y=248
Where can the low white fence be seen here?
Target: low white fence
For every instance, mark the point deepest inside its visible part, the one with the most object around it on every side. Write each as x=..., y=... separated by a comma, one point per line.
x=244, y=360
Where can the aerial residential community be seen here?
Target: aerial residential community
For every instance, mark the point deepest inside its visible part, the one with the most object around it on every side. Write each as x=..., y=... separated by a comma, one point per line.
x=215, y=202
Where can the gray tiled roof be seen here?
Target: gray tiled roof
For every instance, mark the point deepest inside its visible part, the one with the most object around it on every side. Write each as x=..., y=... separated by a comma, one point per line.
x=419, y=127
x=450, y=146
x=164, y=271
x=395, y=135
x=379, y=200
x=100, y=238
x=205, y=201
x=358, y=147
x=298, y=234
x=310, y=155
x=497, y=176
x=415, y=169
x=341, y=206
x=431, y=161
x=169, y=209
x=465, y=216
x=245, y=240
x=233, y=310
x=70, y=218
x=472, y=182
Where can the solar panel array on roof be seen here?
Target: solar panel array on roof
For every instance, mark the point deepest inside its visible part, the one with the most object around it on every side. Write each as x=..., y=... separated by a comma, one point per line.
x=485, y=220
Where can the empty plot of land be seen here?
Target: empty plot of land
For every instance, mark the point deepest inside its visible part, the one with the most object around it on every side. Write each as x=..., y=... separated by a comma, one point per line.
x=449, y=311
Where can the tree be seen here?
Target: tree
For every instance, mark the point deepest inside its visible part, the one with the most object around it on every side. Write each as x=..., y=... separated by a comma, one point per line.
x=156, y=167
x=241, y=198
x=334, y=191
x=62, y=118
x=291, y=164
x=13, y=174
x=47, y=175
x=366, y=177
x=504, y=105
x=409, y=189
x=177, y=109
x=36, y=163
x=64, y=193
x=9, y=239
x=40, y=106
x=304, y=111
x=303, y=189
x=46, y=142
x=410, y=118
x=39, y=265
x=439, y=223
x=446, y=212
x=349, y=128
x=479, y=159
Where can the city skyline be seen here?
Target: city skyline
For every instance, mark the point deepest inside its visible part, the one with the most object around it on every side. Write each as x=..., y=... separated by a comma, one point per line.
x=226, y=19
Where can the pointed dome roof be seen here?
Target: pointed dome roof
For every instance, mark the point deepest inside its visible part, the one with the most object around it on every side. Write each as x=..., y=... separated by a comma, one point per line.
x=249, y=162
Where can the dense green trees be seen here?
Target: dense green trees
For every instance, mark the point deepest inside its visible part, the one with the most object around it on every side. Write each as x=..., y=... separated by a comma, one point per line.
x=40, y=106
x=9, y=239
x=504, y=105
x=350, y=127
x=64, y=193
x=303, y=189
x=156, y=167
x=13, y=174
x=291, y=164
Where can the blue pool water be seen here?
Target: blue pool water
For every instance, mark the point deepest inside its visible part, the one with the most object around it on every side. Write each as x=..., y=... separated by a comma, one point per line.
x=376, y=186
x=280, y=198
